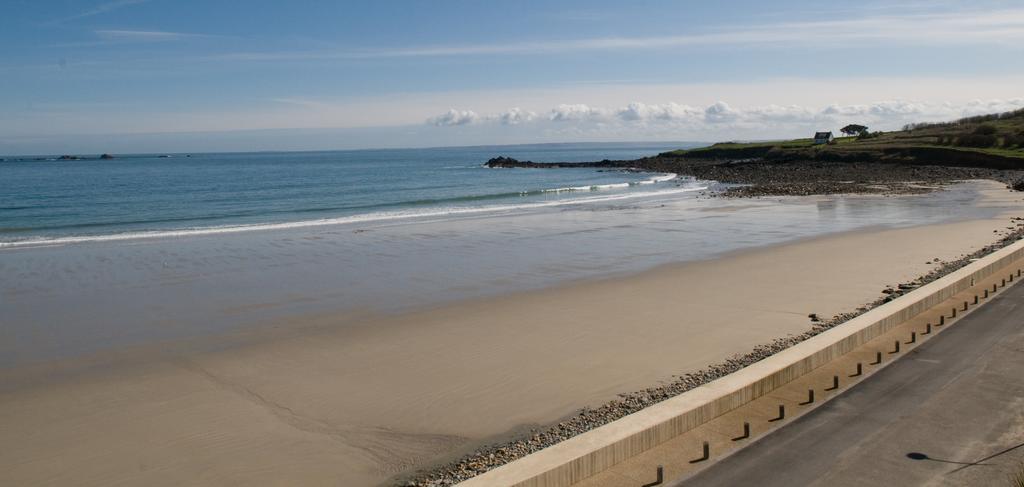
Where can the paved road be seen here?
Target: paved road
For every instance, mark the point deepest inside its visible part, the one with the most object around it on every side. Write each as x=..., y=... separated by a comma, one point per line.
x=949, y=413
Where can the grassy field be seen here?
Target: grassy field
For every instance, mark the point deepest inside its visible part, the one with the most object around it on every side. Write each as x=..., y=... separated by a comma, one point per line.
x=995, y=140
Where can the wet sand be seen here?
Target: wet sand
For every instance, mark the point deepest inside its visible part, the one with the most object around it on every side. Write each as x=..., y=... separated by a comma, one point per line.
x=357, y=405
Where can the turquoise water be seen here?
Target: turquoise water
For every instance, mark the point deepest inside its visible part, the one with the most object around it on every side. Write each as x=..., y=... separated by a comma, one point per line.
x=52, y=200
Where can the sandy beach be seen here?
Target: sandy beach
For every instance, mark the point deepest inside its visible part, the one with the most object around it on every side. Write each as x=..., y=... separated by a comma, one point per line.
x=415, y=244
x=358, y=405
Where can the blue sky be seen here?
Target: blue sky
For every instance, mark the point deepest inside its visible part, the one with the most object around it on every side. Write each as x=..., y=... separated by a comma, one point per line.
x=179, y=75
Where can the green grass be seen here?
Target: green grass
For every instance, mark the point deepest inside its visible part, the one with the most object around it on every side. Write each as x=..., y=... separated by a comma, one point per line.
x=786, y=144
x=953, y=136
x=999, y=152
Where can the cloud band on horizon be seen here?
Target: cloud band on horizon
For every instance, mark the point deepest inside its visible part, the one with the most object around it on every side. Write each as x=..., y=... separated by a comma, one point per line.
x=890, y=112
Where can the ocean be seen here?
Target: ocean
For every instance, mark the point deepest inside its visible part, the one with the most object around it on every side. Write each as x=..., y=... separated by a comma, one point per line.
x=48, y=200
x=100, y=255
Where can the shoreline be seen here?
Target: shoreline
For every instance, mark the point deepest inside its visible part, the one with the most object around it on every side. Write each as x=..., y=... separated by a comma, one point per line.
x=322, y=188
x=315, y=322
x=362, y=219
x=366, y=397
x=762, y=177
x=186, y=287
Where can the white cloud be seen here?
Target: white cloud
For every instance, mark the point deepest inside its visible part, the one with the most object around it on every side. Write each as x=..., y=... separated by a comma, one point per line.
x=979, y=107
x=719, y=112
x=721, y=117
x=892, y=113
x=454, y=117
x=145, y=35
x=781, y=113
x=575, y=112
x=771, y=108
x=893, y=108
x=655, y=122
x=516, y=116
x=637, y=111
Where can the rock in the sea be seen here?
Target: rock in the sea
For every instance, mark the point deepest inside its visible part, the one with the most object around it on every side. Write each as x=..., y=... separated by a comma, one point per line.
x=106, y=156
x=502, y=161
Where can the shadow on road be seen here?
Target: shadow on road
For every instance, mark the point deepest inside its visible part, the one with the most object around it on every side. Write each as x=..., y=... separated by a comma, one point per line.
x=963, y=465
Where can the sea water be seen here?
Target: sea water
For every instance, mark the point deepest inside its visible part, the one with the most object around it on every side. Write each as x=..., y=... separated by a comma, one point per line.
x=92, y=261
x=44, y=199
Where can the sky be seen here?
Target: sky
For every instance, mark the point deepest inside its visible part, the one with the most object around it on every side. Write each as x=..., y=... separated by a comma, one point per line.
x=90, y=76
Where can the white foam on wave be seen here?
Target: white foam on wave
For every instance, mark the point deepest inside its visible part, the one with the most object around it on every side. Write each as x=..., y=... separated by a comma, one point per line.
x=362, y=218
x=598, y=187
x=660, y=179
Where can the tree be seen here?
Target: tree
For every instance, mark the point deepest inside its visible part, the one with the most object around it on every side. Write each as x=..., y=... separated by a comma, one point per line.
x=977, y=140
x=853, y=129
x=985, y=129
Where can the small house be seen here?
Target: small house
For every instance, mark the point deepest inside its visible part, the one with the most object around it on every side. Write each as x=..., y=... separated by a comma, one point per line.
x=822, y=138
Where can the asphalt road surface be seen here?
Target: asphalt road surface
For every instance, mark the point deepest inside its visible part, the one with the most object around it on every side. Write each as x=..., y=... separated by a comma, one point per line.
x=951, y=412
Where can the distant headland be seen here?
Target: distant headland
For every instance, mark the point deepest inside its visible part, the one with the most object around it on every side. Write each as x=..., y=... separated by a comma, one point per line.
x=896, y=162
x=70, y=157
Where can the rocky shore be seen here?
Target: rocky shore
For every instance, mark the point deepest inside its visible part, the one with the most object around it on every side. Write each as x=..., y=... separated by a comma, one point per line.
x=492, y=456
x=760, y=177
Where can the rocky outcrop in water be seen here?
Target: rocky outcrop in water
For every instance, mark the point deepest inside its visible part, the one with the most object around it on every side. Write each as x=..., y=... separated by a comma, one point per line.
x=508, y=162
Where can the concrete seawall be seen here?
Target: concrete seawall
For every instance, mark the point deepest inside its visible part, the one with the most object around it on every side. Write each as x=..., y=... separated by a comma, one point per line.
x=589, y=453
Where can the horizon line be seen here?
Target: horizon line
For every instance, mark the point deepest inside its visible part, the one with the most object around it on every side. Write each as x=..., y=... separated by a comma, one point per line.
x=435, y=147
